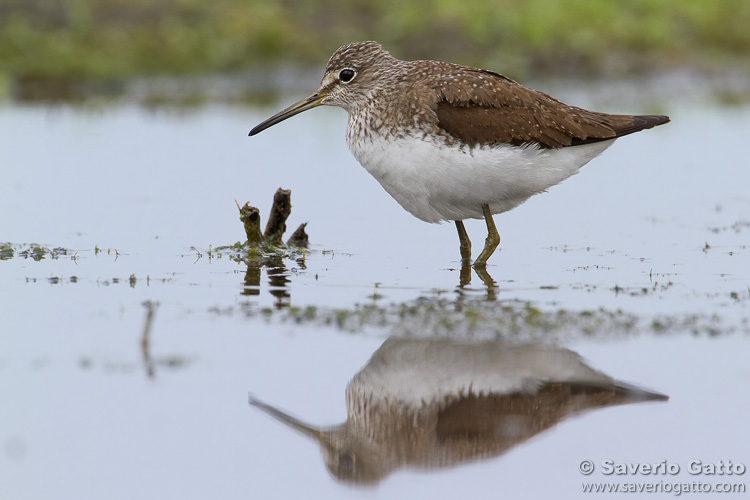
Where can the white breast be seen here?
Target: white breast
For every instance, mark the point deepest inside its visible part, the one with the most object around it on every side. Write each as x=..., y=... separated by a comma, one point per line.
x=436, y=182
x=414, y=372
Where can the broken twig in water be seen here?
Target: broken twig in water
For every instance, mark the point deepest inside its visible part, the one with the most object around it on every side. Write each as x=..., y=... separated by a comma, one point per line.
x=276, y=225
x=250, y=217
x=299, y=237
x=280, y=210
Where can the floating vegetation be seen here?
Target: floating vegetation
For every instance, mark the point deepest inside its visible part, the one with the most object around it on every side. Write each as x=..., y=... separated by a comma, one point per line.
x=6, y=251
x=34, y=251
x=39, y=252
x=477, y=318
x=737, y=227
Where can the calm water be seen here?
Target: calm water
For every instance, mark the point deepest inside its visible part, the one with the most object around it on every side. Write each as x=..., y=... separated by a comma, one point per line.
x=640, y=264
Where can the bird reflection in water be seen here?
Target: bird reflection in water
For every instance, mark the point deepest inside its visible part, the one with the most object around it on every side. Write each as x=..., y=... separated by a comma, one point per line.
x=432, y=403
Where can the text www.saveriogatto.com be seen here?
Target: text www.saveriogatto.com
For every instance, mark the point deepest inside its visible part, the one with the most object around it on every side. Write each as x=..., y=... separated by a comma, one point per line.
x=706, y=477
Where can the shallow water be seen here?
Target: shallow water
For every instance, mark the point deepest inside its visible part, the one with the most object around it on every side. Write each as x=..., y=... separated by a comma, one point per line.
x=639, y=263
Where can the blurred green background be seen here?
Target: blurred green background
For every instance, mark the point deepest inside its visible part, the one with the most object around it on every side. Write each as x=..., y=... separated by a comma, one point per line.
x=116, y=39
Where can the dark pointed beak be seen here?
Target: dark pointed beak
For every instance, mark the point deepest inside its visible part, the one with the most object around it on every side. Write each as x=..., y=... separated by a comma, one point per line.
x=326, y=438
x=298, y=107
x=279, y=415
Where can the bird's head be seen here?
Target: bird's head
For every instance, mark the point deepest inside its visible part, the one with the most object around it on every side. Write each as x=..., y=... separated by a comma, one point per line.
x=351, y=78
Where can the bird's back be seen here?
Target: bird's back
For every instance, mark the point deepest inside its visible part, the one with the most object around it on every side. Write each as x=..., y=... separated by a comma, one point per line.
x=479, y=107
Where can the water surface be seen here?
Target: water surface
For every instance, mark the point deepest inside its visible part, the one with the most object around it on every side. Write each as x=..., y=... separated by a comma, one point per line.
x=639, y=263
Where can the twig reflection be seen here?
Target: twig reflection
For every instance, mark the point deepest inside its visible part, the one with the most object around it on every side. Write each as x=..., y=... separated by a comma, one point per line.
x=148, y=361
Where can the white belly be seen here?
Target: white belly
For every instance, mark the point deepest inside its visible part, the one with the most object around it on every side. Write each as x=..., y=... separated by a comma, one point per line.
x=435, y=182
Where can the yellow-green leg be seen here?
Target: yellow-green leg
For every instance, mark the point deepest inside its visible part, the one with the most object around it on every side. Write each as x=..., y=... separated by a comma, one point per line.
x=465, y=246
x=465, y=243
x=492, y=241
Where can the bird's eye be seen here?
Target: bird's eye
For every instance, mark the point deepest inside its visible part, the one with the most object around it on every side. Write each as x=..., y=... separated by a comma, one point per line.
x=346, y=461
x=346, y=75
